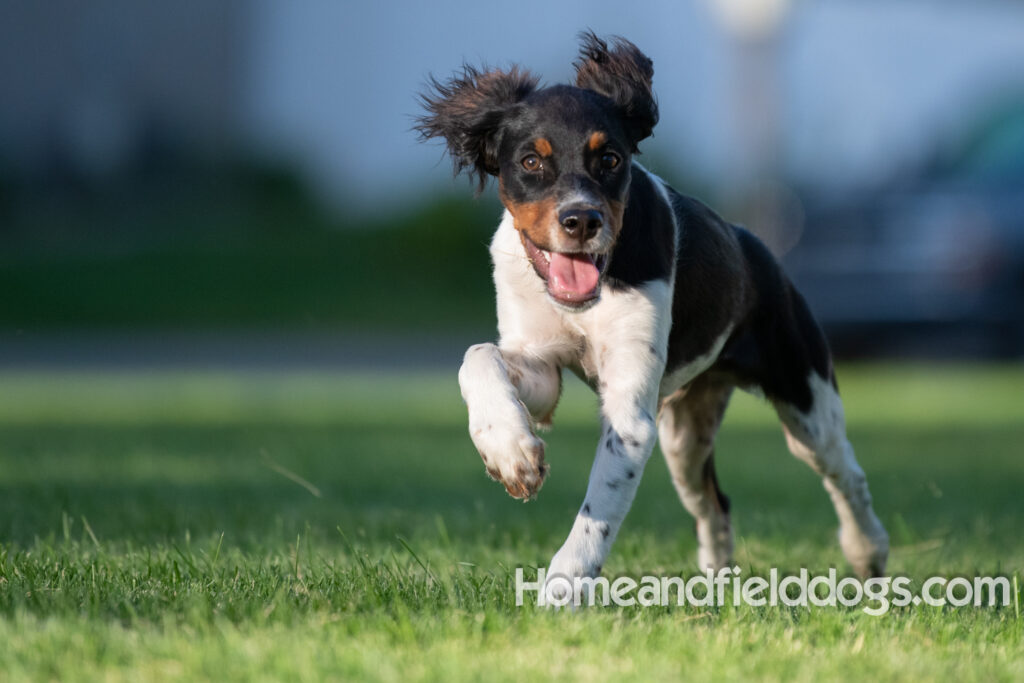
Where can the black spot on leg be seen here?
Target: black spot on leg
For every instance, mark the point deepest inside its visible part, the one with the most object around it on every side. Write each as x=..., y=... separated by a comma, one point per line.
x=586, y=529
x=598, y=569
x=586, y=508
x=630, y=474
x=614, y=443
x=605, y=531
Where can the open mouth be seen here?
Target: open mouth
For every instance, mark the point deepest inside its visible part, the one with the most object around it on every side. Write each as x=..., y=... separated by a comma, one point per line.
x=572, y=279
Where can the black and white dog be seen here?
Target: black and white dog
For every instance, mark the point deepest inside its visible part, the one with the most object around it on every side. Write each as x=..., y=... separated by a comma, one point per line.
x=660, y=305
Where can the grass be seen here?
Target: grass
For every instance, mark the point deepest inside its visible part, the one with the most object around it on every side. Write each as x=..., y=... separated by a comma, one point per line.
x=177, y=526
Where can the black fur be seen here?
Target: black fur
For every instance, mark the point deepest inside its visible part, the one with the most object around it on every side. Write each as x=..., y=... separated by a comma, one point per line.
x=779, y=343
x=623, y=74
x=709, y=285
x=646, y=223
x=491, y=120
x=469, y=111
x=560, y=111
x=725, y=274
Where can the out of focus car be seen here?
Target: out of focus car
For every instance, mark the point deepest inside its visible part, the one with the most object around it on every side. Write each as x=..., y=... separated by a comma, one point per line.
x=930, y=264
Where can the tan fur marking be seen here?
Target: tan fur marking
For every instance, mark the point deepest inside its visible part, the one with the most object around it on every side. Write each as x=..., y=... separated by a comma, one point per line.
x=597, y=140
x=532, y=219
x=543, y=147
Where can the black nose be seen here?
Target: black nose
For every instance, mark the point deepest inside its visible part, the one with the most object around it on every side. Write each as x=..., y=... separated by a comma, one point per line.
x=581, y=223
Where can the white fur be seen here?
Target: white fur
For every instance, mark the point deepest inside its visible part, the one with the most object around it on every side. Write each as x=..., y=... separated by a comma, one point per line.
x=621, y=332
x=619, y=344
x=818, y=437
x=499, y=420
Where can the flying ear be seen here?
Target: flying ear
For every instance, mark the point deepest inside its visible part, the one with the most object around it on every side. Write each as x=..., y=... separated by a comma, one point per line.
x=622, y=74
x=468, y=111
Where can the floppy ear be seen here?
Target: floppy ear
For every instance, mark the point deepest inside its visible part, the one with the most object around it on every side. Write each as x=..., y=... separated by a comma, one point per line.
x=468, y=112
x=622, y=74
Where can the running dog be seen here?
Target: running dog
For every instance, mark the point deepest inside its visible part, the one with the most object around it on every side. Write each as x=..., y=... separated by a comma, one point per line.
x=661, y=306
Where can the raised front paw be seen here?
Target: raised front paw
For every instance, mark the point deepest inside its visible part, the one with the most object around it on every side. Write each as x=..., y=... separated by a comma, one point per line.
x=512, y=456
x=500, y=424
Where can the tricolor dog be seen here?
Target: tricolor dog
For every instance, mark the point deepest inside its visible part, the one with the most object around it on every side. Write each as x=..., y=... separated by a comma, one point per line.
x=657, y=303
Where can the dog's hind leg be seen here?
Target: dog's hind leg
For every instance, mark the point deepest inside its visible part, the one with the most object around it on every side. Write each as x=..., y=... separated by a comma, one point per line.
x=783, y=353
x=687, y=424
x=817, y=436
x=506, y=392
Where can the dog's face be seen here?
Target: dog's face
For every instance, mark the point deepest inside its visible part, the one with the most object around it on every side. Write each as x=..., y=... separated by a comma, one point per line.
x=563, y=174
x=561, y=154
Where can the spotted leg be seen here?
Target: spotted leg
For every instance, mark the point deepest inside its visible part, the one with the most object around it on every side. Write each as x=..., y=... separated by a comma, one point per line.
x=629, y=373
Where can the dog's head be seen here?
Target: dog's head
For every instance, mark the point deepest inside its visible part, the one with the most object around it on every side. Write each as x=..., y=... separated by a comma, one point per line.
x=561, y=154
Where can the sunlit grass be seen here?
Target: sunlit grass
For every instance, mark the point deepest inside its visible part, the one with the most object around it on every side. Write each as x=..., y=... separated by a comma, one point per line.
x=337, y=526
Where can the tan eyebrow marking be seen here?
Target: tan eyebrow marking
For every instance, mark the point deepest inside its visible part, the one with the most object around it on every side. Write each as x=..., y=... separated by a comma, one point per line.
x=543, y=147
x=597, y=141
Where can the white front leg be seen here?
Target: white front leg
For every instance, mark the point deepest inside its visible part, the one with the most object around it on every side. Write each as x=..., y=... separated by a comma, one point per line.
x=505, y=392
x=626, y=443
x=630, y=363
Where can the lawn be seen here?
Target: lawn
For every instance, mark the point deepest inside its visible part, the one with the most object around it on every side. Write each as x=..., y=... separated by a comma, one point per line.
x=177, y=526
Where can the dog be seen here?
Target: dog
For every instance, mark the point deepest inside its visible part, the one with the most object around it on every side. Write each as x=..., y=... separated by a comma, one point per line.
x=661, y=306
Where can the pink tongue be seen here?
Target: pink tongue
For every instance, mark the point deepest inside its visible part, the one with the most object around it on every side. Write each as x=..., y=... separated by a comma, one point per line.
x=572, y=276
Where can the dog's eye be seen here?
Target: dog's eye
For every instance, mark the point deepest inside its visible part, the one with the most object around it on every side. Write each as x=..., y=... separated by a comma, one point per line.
x=531, y=162
x=609, y=160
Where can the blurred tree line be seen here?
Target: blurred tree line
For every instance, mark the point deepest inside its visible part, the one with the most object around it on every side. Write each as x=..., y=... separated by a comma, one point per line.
x=189, y=244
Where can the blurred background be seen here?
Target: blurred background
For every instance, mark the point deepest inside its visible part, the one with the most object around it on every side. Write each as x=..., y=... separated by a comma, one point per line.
x=237, y=182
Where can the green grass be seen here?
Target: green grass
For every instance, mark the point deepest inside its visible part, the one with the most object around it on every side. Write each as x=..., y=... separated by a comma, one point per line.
x=312, y=527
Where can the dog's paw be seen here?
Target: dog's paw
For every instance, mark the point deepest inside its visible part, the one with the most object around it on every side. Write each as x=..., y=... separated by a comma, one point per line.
x=517, y=464
x=559, y=593
x=714, y=543
x=512, y=453
x=866, y=554
x=561, y=585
